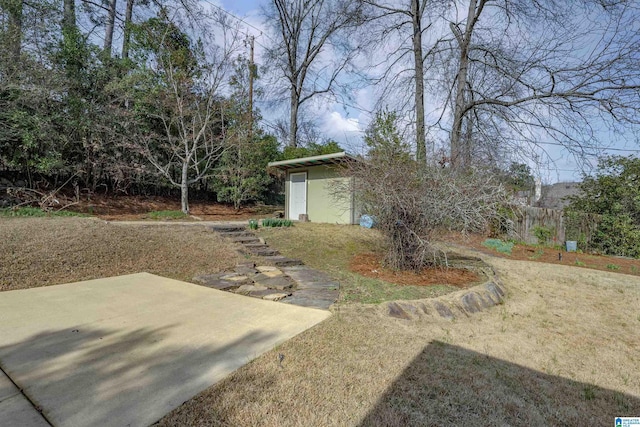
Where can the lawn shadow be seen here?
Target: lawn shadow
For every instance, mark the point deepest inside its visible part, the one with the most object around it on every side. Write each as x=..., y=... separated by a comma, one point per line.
x=90, y=376
x=450, y=385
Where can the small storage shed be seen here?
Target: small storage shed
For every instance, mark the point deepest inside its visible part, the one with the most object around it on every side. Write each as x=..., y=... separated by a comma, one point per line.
x=316, y=187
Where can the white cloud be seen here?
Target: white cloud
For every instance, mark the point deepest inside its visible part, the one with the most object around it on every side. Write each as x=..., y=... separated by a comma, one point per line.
x=347, y=131
x=336, y=124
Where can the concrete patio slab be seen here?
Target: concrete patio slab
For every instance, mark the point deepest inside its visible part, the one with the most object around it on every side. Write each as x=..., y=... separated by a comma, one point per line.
x=126, y=350
x=15, y=409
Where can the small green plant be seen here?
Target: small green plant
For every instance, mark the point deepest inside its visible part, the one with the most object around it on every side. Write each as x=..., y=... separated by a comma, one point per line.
x=634, y=269
x=613, y=267
x=276, y=222
x=543, y=234
x=499, y=245
x=34, y=212
x=589, y=392
x=620, y=400
x=580, y=263
x=253, y=224
x=537, y=255
x=166, y=215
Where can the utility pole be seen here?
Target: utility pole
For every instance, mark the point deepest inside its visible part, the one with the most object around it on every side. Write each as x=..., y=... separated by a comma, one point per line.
x=251, y=73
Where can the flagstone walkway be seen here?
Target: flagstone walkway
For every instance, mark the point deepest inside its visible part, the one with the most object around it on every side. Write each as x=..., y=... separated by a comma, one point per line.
x=281, y=279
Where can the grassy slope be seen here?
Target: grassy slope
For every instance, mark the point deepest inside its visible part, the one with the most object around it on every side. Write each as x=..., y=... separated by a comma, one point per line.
x=47, y=251
x=331, y=247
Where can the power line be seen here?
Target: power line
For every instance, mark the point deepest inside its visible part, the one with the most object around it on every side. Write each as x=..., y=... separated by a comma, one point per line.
x=559, y=144
x=240, y=19
x=356, y=107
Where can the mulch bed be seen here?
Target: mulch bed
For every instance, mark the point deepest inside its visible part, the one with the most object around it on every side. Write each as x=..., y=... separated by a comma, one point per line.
x=550, y=255
x=370, y=265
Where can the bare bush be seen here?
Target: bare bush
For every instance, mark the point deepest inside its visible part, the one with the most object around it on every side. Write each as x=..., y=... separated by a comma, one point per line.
x=413, y=203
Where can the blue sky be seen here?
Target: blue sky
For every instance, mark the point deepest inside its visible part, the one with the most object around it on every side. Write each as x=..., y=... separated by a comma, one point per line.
x=242, y=7
x=345, y=123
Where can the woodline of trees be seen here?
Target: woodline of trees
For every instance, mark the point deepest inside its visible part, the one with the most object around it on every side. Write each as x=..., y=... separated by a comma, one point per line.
x=154, y=93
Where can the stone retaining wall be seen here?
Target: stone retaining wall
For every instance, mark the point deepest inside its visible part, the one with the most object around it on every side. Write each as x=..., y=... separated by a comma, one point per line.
x=459, y=304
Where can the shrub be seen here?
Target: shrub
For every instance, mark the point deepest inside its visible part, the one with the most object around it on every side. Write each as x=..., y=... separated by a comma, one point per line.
x=612, y=192
x=253, y=224
x=503, y=223
x=499, y=245
x=617, y=235
x=276, y=222
x=414, y=202
x=543, y=234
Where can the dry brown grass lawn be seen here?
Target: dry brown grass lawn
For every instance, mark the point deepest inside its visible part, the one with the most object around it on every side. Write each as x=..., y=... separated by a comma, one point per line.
x=563, y=350
x=332, y=248
x=47, y=251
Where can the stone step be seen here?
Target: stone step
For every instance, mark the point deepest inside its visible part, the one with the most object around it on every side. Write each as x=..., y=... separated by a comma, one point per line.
x=304, y=274
x=227, y=228
x=232, y=234
x=246, y=289
x=245, y=239
x=214, y=281
x=270, y=294
x=278, y=282
x=318, y=285
x=262, y=250
x=246, y=270
x=256, y=245
x=282, y=261
x=322, y=299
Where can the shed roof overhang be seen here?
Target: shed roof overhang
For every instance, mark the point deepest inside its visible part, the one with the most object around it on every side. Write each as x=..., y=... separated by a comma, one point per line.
x=324, y=159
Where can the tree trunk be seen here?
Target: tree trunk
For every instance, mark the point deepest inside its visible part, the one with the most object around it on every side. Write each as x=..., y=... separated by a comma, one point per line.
x=293, y=123
x=14, y=30
x=127, y=29
x=184, y=188
x=108, y=32
x=464, y=40
x=468, y=142
x=69, y=14
x=421, y=146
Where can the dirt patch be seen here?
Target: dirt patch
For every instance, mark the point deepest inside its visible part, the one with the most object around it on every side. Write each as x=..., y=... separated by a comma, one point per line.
x=557, y=256
x=131, y=208
x=370, y=265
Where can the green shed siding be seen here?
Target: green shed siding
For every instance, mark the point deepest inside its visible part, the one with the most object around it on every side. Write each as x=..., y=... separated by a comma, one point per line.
x=328, y=197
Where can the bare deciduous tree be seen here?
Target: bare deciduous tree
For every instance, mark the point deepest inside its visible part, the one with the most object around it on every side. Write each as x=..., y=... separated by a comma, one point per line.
x=307, y=30
x=182, y=92
x=553, y=70
x=403, y=25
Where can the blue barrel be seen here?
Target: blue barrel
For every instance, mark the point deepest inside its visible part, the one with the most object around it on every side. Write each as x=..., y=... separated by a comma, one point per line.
x=367, y=221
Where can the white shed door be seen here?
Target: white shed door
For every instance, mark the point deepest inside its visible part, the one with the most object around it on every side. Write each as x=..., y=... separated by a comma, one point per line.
x=297, y=194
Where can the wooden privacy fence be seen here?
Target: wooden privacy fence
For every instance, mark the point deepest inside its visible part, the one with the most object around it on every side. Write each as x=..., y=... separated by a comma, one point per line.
x=576, y=227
